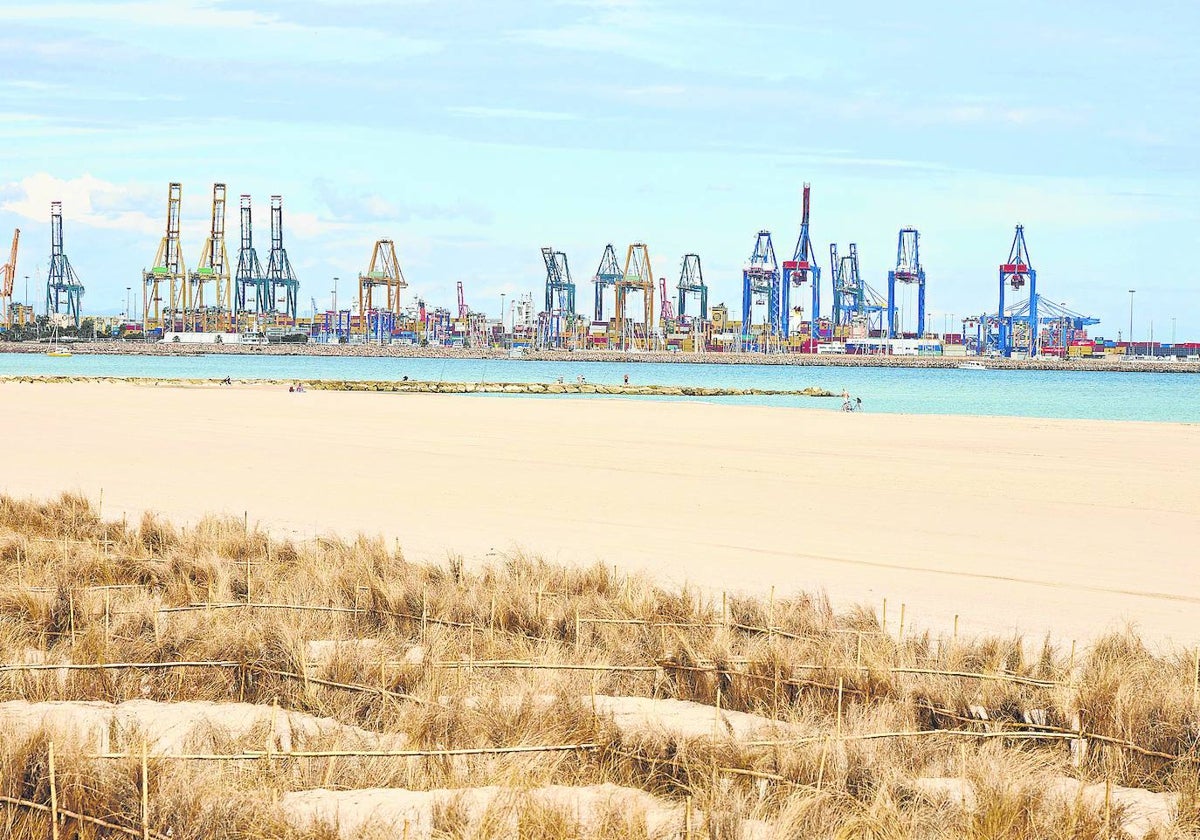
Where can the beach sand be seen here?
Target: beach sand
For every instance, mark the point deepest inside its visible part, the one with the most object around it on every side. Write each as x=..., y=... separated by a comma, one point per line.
x=1011, y=524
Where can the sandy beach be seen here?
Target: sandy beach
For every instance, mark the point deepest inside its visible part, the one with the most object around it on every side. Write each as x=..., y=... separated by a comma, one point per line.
x=1068, y=527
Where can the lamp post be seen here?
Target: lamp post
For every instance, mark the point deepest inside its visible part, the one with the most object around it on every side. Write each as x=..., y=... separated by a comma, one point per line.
x=128, y=296
x=1131, y=291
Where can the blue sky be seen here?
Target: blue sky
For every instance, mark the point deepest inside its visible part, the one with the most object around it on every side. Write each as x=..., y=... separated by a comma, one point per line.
x=473, y=133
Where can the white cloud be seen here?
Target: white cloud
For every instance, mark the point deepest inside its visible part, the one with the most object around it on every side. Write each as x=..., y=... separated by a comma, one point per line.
x=194, y=22
x=511, y=113
x=87, y=200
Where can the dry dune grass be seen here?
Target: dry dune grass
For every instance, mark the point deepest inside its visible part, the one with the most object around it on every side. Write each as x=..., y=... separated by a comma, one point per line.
x=860, y=721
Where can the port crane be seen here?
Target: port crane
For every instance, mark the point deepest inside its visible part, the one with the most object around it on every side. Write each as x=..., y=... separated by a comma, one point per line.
x=666, y=309
x=761, y=285
x=383, y=271
x=637, y=277
x=168, y=267
x=281, y=279
x=1017, y=326
x=212, y=270
x=64, y=291
x=8, y=273
x=908, y=271
x=250, y=290
x=608, y=274
x=559, y=312
x=855, y=303
x=802, y=268
x=691, y=282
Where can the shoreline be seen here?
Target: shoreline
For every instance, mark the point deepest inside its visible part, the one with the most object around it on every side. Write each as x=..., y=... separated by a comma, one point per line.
x=120, y=348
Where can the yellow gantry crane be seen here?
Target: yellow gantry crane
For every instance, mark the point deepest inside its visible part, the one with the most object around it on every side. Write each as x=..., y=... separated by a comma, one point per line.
x=169, y=267
x=212, y=270
x=8, y=273
x=385, y=271
x=638, y=277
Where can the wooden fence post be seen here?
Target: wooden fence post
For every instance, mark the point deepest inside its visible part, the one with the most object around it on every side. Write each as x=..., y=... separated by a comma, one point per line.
x=53, y=793
x=145, y=793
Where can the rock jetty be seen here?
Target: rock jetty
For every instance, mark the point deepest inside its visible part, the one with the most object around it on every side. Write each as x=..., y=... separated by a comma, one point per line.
x=426, y=387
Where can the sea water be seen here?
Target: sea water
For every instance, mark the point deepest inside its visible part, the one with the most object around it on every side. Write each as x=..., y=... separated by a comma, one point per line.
x=1094, y=395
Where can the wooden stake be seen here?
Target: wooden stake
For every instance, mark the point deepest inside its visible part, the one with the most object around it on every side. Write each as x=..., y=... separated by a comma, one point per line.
x=687, y=819
x=577, y=633
x=145, y=793
x=900, y=633
x=858, y=655
x=839, y=709
x=1196, y=677
x=771, y=616
x=821, y=766
x=884, y=622
x=53, y=794
x=1107, y=803
x=955, y=630
x=100, y=504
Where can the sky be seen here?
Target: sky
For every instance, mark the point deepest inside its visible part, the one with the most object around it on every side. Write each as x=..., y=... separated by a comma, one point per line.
x=474, y=133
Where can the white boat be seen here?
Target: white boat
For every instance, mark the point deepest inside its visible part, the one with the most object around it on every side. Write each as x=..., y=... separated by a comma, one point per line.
x=972, y=366
x=56, y=350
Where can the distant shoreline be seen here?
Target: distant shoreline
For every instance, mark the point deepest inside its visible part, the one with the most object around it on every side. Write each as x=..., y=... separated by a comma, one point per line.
x=122, y=348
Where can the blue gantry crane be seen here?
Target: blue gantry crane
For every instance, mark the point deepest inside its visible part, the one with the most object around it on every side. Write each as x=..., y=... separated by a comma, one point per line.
x=559, y=313
x=908, y=271
x=761, y=286
x=803, y=268
x=64, y=291
x=608, y=274
x=1019, y=326
x=249, y=281
x=855, y=303
x=691, y=282
x=1015, y=272
x=282, y=286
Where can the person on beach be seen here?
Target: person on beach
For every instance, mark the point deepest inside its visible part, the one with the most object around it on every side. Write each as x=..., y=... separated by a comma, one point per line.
x=226, y=381
x=845, y=400
x=627, y=379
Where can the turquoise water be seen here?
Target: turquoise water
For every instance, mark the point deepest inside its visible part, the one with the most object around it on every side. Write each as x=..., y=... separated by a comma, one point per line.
x=1066, y=394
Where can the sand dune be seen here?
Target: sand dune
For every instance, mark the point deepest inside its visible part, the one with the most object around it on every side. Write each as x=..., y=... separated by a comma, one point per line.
x=1072, y=527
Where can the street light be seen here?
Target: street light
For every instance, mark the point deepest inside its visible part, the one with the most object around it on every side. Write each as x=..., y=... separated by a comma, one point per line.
x=1131, y=291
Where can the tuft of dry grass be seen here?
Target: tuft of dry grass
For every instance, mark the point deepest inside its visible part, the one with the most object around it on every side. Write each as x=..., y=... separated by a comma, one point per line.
x=465, y=655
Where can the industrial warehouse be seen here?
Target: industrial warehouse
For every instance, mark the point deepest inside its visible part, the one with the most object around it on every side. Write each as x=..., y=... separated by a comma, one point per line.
x=253, y=300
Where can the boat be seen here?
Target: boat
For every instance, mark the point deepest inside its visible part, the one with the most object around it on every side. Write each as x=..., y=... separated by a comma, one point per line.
x=57, y=350
x=973, y=366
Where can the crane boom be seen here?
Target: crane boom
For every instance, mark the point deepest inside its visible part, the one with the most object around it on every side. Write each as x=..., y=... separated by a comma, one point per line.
x=7, y=274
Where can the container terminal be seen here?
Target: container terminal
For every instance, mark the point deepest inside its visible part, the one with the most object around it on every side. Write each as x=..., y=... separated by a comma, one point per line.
x=257, y=300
